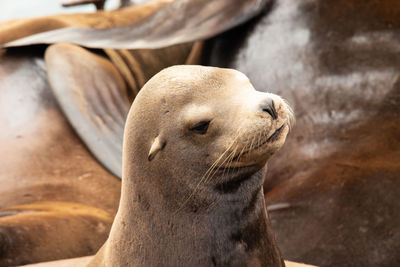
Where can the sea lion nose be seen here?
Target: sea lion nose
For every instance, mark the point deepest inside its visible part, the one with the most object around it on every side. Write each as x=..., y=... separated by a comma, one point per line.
x=269, y=107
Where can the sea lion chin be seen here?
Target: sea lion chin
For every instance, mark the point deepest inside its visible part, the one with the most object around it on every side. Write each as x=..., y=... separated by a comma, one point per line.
x=194, y=142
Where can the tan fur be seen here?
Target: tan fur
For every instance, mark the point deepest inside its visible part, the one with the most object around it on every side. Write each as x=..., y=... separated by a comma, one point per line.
x=171, y=189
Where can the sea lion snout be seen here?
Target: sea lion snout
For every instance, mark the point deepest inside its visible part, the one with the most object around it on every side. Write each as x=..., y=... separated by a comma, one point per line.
x=274, y=107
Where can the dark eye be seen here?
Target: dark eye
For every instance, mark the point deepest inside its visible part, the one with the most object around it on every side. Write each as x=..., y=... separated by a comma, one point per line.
x=200, y=127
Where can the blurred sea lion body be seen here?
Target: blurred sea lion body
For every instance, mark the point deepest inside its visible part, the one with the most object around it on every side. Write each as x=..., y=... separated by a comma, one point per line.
x=333, y=189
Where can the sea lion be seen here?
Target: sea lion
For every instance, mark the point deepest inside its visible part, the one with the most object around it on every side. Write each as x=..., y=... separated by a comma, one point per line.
x=332, y=49
x=194, y=143
x=44, y=168
x=50, y=230
x=334, y=188
x=135, y=27
x=183, y=111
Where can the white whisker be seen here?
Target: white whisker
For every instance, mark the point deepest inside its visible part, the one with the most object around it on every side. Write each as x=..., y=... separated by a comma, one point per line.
x=208, y=172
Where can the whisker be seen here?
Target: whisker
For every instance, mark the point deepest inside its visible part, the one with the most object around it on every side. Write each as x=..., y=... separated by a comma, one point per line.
x=259, y=139
x=207, y=173
x=245, y=148
x=226, y=159
x=291, y=119
x=212, y=175
x=230, y=159
x=241, y=152
x=213, y=167
x=218, y=197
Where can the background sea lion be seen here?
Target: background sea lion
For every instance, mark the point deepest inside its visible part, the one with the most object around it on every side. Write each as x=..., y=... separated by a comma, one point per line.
x=133, y=27
x=43, y=162
x=334, y=187
x=194, y=142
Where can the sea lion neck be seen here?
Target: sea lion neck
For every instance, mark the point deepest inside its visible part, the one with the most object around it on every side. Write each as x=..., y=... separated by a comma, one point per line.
x=231, y=233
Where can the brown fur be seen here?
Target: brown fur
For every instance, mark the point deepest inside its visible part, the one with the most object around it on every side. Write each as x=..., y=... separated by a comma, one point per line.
x=61, y=226
x=142, y=26
x=43, y=161
x=335, y=185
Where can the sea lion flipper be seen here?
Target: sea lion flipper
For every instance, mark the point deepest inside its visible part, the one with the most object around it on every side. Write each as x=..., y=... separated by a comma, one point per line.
x=93, y=96
x=150, y=25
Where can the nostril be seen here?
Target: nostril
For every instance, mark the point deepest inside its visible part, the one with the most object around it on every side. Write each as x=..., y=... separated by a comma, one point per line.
x=269, y=107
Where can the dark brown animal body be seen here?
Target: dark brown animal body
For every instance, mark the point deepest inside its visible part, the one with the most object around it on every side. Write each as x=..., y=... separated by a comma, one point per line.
x=50, y=184
x=333, y=190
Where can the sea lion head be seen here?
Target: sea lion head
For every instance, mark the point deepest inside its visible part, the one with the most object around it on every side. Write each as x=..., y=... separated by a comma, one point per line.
x=195, y=126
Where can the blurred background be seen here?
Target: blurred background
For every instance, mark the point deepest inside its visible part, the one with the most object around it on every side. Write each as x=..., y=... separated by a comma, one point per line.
x=34, y=8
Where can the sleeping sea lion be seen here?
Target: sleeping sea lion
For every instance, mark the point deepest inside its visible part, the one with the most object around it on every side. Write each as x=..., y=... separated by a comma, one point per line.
x=49, y=180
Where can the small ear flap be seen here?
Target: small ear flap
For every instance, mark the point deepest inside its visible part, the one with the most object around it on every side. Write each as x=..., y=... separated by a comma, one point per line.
x=158, y=145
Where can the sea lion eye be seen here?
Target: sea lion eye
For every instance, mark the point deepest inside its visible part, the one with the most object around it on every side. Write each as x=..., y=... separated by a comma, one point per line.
x=200, y=127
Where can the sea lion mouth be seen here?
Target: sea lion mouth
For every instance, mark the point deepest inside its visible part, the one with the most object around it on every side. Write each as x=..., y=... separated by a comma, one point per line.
x=275, y=135
x=270, y=139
